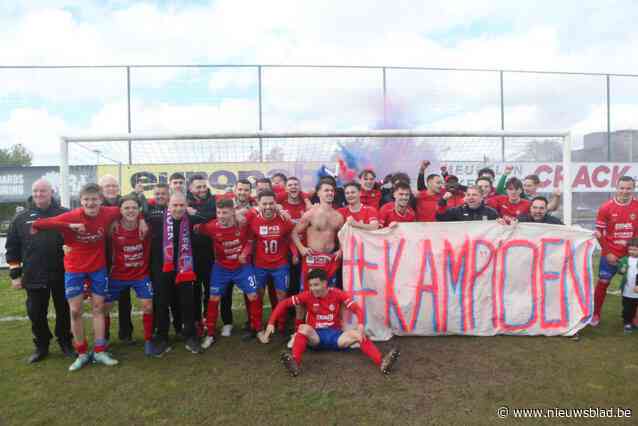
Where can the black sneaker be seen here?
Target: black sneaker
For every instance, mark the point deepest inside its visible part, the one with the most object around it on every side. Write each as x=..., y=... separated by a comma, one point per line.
x=289, y=362
x=193, y=345
x=128, y=341
x=246, y=326
x=161, y=347
x=248, y=336
x=38, y=355
x=68, y=350
x=388, y=361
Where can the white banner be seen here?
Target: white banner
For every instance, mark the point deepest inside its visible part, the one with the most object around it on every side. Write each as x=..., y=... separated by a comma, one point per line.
x=470, y=278
x=587, y=177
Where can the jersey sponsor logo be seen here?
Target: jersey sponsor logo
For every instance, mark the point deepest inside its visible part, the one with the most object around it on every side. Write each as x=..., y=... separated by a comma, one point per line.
x=619, y=226
x=327, y=317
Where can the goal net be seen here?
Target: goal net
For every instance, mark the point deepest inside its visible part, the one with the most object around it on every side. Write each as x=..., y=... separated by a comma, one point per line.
x=226, y=157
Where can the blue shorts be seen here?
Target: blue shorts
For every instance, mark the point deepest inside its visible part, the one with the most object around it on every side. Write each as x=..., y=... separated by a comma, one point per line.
x=605, y=270
x=243, y=277
x=74, y=283
x=328, y=338
x=143, y=289
x=280, y=277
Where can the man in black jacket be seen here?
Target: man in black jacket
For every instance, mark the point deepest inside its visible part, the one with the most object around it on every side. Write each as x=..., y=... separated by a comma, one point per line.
x=202, y=203
x=36, y=264
x=472, y=209
x=538, y=213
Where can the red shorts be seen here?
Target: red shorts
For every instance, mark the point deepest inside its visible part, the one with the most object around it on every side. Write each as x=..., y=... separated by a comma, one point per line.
x=325, y=261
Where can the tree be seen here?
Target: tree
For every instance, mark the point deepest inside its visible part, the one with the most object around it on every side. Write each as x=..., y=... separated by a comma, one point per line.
x=15, y=155
x=545, y=150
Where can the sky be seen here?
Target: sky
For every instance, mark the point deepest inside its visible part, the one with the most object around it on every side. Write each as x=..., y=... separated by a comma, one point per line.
x=36, y=106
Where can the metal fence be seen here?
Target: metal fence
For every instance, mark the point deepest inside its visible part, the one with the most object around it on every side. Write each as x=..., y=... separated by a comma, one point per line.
x=337, y=97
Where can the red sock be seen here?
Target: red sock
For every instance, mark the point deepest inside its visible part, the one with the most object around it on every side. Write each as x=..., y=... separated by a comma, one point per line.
x=298, y=322
x=211, y=316
x=147, y=319
x=81, y=348
x=107, y=324
x=599, y=296
x=299, y=347
x=256, y=309
x=371, y=351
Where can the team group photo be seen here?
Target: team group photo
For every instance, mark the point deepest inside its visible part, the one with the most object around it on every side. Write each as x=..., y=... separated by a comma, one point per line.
x=229, y=212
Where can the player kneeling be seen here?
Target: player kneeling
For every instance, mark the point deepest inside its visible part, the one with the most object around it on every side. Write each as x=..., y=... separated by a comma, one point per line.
x=323, y=325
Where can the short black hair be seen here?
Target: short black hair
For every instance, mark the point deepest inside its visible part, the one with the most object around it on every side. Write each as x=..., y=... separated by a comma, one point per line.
x=176, y=175
x=326, y=180
x=91, y=188
x=487, y=171
x=355, y=184
x=485, y=178
x=280, y=175
x=402, y=185
x=265, y=193
x=293, y=178
x=244, y=182
x=367, y=172
x=533, y=178
x=317, y=274
x=196, y=176
x=162, y=185
x=129, y=197
x=431, y=176
x=541, y=198
x=626, y=179
x=514, y=182
x=264, y=180
x=400, y=176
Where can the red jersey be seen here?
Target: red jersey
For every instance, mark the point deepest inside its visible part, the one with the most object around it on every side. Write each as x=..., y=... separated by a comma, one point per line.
x=505, y=208
x=321, y=312
x=273, y=239
x=371, y=198
x=388, y=214
x=294, y=210
x=617, y=223
x=426, y=206
x=88, y=249
x=228, y=243
x=131, y=254
x=365, y=214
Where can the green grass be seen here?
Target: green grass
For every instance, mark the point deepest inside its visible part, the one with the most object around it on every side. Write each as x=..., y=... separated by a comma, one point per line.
x=440, y=380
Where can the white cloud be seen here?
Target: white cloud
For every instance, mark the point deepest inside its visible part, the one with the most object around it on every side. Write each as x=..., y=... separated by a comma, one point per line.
x=575, y=36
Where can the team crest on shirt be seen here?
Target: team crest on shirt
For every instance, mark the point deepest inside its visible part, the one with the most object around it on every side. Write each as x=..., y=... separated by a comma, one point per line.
x=632, y=216
x=331, y=307
x=263, y=230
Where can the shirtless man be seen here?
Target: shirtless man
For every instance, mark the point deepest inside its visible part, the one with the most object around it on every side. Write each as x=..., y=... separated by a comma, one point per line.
x=321, y=224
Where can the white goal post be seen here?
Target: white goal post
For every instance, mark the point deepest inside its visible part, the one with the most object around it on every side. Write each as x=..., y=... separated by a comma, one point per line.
x=564, y=136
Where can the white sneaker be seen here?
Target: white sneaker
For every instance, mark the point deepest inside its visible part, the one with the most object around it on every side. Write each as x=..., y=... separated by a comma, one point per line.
x=104, y=358
x=208, y=342
x=227, y=330
x=291, y=341
x=80, y=362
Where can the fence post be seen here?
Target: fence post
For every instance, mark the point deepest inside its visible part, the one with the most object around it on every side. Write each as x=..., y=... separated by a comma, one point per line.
x=128, y=111
x=261, y=142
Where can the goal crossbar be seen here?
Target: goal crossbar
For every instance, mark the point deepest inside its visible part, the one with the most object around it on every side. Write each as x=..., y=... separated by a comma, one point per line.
x=565, y=136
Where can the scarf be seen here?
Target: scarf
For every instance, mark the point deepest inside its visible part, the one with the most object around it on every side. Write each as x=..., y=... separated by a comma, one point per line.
x=185, y=257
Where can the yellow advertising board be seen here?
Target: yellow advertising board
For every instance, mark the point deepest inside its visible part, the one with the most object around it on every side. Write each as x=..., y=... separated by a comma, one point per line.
x=221, y=176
